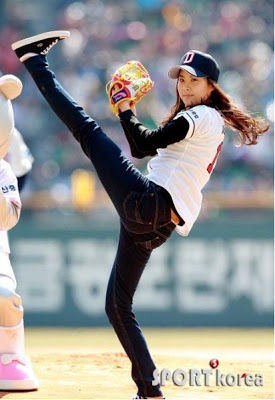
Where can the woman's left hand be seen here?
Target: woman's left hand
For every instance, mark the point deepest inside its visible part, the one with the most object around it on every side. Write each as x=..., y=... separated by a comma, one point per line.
x=124, y=105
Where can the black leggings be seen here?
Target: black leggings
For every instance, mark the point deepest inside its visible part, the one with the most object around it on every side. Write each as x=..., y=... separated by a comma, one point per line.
x=145, y=214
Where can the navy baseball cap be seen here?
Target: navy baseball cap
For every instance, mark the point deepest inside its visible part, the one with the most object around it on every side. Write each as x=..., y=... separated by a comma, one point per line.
x=197, y=63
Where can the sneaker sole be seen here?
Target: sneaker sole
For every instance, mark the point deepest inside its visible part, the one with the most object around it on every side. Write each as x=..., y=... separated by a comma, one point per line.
x=10, y=86
x=25, y=384
x=41, y=36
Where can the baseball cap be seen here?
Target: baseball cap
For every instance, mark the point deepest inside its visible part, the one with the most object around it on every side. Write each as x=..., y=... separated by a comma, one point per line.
x=197, y=63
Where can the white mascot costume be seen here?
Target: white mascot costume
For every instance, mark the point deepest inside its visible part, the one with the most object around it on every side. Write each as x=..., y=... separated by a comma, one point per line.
x=15, y=369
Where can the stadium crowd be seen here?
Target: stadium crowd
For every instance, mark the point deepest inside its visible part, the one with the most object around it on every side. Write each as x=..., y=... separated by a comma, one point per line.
x=105, y=34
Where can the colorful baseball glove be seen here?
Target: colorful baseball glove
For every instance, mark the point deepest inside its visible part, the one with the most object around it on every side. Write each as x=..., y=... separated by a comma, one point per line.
x=130, y=82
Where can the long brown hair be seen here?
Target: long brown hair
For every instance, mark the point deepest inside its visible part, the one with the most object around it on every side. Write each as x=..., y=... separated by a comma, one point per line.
x=247, y=127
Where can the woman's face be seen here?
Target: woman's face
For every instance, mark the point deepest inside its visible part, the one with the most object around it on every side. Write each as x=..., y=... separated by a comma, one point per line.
x=193, y=90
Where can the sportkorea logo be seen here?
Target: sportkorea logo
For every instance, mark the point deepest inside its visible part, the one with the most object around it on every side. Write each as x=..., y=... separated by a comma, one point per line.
x=189, y=57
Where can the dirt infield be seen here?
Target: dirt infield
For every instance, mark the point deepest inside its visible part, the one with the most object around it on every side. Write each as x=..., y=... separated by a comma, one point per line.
x=89, y=363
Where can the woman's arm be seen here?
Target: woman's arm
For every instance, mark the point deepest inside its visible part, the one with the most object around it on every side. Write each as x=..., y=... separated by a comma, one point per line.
x=135, y=151
x=145, y=140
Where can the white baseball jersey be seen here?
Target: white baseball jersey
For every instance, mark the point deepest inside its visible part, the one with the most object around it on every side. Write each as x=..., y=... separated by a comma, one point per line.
x=10, y=204
x=19, y=156
x=183, y=168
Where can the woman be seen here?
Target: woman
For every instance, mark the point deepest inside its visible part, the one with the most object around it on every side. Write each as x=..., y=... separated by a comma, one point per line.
x=150, y=207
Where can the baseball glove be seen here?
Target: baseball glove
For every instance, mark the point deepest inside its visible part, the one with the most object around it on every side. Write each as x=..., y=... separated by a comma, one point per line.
x=130, y=82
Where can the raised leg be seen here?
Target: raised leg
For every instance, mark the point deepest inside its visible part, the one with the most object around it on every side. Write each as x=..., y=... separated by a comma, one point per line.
x=116, y=172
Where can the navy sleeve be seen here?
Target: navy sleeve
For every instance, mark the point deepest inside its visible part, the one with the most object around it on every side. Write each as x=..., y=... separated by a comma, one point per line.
x=144, y=141
x=135, y=151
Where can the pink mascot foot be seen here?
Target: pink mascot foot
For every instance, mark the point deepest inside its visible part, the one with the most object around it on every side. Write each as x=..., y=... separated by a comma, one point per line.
x=16, y=373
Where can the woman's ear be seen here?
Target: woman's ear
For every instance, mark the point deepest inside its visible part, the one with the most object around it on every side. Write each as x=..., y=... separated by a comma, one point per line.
x=210, y=88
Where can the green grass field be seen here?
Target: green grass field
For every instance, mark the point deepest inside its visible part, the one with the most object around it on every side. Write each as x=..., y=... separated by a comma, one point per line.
x=90, y=363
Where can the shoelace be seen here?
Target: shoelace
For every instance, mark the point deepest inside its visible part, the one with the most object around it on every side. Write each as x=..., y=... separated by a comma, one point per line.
x=8, y=358
x=49, y=47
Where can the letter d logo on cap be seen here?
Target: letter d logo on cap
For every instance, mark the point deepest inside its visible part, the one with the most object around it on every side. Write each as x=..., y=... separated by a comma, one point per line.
x=189, y=57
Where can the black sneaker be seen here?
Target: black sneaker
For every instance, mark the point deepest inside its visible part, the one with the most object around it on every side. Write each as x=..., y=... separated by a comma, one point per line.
x=38, y=44
x=140, y=397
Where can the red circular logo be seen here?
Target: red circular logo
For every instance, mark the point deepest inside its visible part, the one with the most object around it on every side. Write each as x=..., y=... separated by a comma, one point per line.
x=214, y=363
